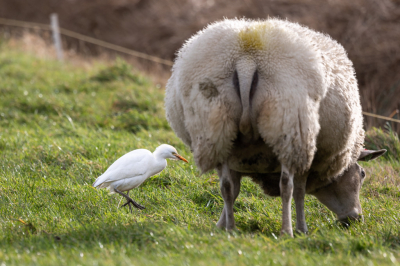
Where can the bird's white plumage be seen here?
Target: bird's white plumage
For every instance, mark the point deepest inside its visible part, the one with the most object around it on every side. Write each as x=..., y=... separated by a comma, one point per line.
x=133, y=168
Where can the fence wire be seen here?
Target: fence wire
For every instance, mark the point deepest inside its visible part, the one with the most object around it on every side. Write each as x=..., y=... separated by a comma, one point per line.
x=31, y=25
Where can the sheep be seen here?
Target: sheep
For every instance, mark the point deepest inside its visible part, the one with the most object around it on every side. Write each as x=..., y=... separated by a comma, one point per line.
x=274, y=101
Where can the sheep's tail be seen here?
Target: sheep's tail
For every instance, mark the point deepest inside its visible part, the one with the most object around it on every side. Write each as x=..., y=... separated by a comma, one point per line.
x=246, y=78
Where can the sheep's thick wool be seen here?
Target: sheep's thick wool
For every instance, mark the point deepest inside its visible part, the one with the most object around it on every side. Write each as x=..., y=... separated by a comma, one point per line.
x=297, y=91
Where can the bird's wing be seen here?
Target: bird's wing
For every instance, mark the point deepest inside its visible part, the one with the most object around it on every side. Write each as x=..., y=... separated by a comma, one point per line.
x=134, y=163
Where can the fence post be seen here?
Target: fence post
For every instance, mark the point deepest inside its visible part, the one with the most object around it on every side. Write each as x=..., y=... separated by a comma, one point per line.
x=56, y=36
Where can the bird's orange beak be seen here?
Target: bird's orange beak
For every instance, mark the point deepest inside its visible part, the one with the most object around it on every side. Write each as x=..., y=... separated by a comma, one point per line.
x=181, y=158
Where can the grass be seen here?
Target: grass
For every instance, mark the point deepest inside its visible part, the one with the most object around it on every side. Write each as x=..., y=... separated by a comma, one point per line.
x=61, y=126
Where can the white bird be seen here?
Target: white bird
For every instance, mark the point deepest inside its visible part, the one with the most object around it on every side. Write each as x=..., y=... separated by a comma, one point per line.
x=133, y=168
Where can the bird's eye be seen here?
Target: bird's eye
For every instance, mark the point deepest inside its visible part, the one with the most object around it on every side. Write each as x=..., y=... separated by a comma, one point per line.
x=362, y=173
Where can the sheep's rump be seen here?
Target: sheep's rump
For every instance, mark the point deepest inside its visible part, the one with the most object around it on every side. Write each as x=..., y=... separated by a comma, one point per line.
x=305, y=107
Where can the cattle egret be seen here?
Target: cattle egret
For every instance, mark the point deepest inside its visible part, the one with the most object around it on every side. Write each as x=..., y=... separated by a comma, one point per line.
x=133, y=168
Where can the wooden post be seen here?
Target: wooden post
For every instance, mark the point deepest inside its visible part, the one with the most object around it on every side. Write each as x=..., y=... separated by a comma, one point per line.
x=56, y=36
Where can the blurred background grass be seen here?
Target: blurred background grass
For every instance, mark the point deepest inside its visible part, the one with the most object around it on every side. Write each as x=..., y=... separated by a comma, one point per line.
x=368, y=29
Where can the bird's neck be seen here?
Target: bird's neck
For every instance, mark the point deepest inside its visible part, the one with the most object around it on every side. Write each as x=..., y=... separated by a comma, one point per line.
x=160, y=162
x=159, y=157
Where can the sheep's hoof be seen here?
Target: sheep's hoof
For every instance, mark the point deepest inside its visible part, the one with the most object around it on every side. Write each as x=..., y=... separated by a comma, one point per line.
x=300, y=233
x=286, y=233
x=221, y=225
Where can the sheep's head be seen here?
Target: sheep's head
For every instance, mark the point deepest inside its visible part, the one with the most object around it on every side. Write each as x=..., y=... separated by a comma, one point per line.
x=342, y=195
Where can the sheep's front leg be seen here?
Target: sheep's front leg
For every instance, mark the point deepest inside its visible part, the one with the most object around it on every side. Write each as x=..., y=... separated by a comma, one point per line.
x=230, y=187
x=299, y=193
x=286, y=187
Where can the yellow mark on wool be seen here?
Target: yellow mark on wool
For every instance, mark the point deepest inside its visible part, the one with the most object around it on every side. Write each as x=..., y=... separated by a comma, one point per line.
x=253, y=38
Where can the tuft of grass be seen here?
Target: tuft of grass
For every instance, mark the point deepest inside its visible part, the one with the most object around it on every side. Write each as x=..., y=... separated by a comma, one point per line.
x=60, y=128
x=376, y=138
x=119, y=71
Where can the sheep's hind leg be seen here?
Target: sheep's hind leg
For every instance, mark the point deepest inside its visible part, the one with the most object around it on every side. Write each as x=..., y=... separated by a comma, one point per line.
x=286, y=187
x=230, y=187
x=236, y=178
x=299, y=193
x=222, y=219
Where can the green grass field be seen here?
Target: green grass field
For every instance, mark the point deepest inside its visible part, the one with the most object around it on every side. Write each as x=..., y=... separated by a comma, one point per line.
x=61, y=126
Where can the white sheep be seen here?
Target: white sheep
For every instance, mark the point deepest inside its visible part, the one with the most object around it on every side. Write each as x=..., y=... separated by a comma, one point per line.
x=274, y=101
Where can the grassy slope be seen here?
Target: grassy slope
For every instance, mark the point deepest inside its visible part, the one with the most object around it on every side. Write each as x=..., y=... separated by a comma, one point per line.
x=61, y=126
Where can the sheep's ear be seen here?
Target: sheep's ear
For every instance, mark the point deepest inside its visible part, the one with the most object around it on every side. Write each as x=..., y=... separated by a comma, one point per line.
x=367, y=155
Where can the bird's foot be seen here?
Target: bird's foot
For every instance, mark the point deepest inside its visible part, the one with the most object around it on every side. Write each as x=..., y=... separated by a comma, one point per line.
x=129, y=201
x=134, y=203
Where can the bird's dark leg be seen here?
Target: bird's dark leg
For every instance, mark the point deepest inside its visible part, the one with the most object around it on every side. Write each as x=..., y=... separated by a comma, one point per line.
x=129, y=200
